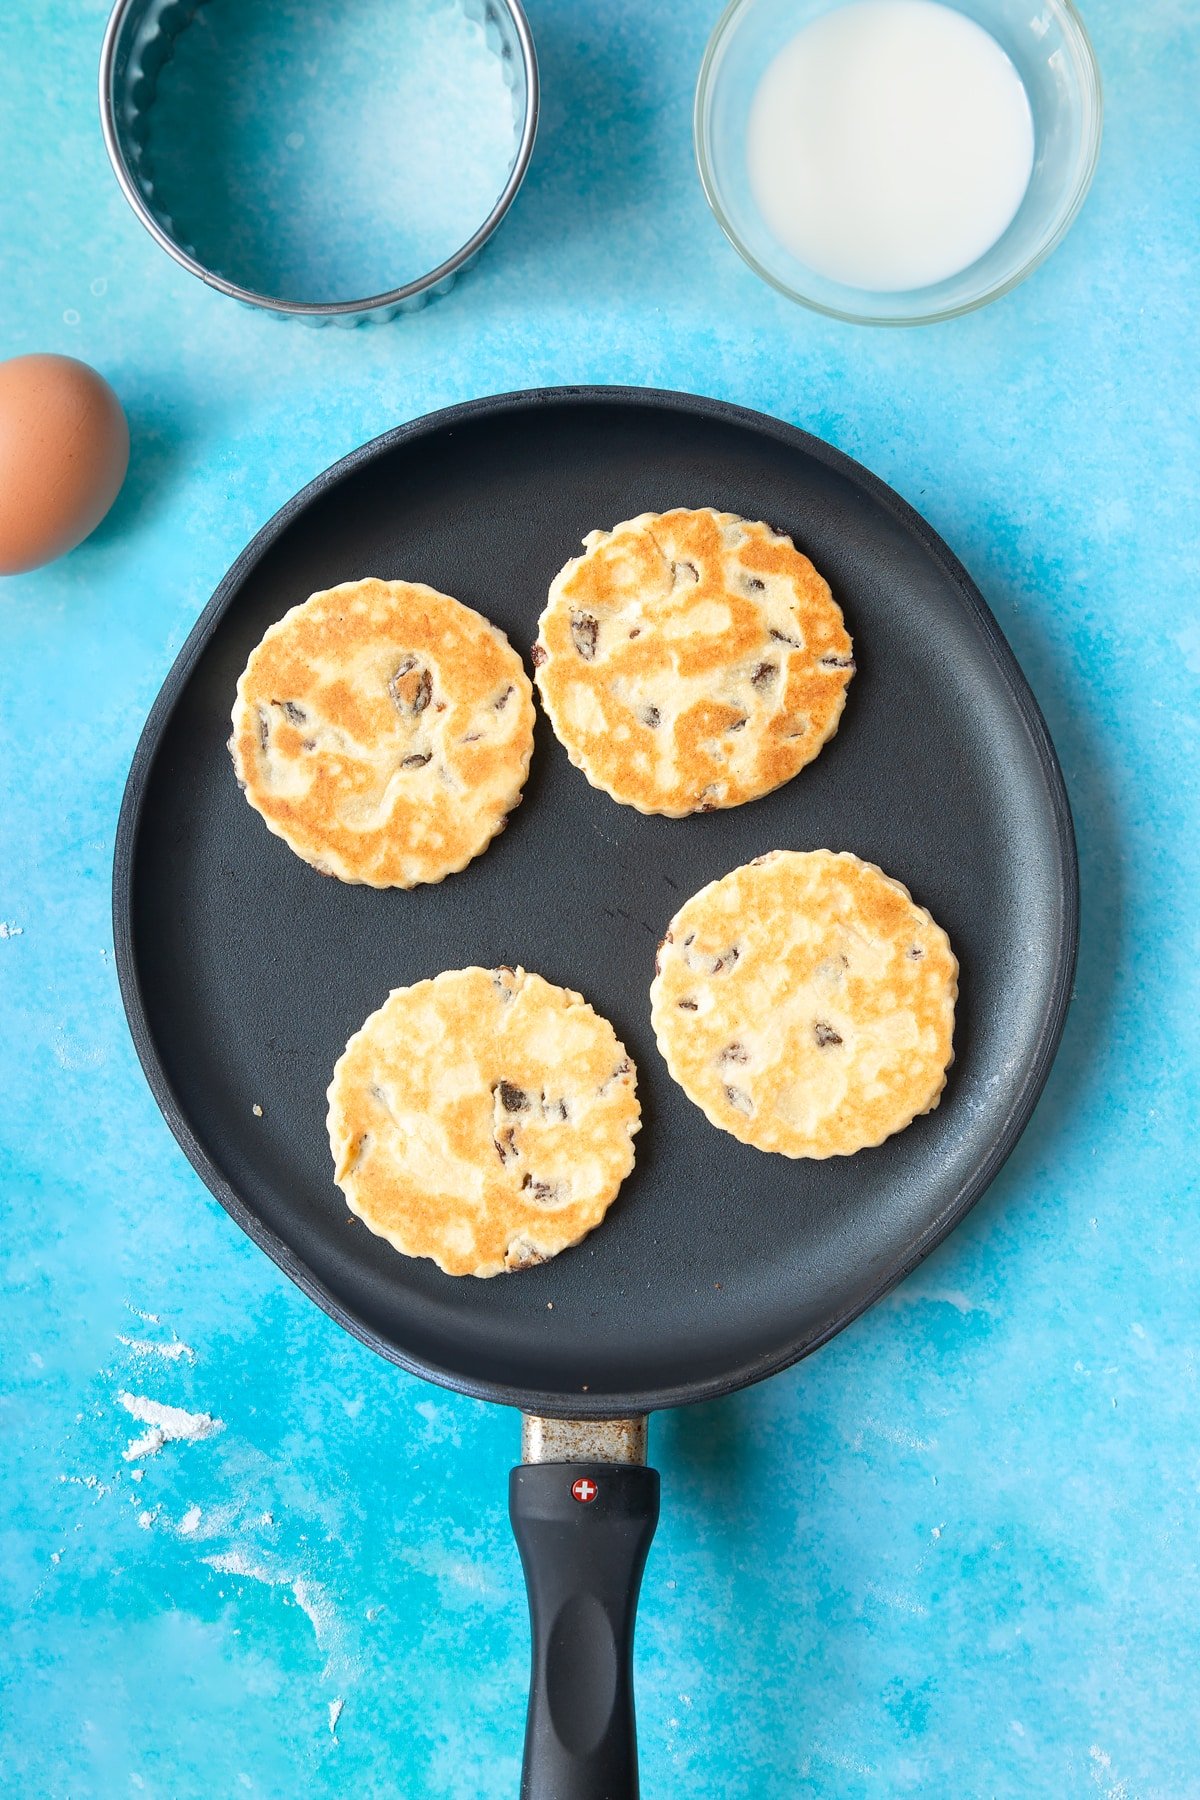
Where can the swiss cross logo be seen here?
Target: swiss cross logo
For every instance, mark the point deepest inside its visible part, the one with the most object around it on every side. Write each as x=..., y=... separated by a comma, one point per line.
x=585, y=1490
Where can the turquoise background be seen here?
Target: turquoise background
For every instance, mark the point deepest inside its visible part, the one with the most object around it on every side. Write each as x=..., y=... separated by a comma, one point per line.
x=955, y=1553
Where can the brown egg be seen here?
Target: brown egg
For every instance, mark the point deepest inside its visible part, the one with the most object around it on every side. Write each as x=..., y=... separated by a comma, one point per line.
x=64, y=450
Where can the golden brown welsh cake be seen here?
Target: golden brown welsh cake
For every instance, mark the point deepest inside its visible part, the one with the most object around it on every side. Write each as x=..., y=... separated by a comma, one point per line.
x=484, y=1119
x=691, y=660
x=805, y=1003
x=384, y=731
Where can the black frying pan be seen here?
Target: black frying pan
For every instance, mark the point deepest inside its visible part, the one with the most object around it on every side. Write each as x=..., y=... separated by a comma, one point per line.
x=244, y=972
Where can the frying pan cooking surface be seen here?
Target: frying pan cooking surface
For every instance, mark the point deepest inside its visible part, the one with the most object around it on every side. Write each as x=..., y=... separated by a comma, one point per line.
x=244, y=971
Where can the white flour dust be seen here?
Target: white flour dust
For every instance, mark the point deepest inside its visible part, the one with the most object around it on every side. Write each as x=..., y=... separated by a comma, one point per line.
x=9, y=930
x=148, y=1347
x=899, y=1602
x=893, y=1434
x=309, y=1596
x=88, y=1481
x=168, y=1425
x=842, y=1759
x=72, y=1053
x=315, y=1604
x=1102, y=1772
x=222, y=1535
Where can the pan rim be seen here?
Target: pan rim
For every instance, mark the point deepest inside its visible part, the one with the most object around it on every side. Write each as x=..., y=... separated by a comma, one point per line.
x=1008, y=1130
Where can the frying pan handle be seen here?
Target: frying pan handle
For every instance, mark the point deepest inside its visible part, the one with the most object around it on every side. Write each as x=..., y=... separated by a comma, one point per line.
x=583, y=1530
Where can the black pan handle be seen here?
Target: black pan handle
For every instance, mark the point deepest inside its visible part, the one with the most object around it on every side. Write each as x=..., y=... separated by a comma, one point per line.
x=583, y=1530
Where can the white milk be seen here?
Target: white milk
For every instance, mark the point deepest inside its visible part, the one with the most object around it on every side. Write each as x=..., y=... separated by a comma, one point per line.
x=890, y=143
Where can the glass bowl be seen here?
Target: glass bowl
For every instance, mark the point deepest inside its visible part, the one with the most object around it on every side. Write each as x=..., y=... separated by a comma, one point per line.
x=1050, y=50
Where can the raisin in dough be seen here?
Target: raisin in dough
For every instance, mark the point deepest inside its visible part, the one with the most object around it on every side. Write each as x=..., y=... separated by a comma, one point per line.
x=484, y=1119
x=384, y=731
x=691, y=660
x=805, y=1003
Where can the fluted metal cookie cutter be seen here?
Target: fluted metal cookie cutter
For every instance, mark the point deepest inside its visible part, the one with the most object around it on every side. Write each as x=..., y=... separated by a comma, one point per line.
x=139, y=41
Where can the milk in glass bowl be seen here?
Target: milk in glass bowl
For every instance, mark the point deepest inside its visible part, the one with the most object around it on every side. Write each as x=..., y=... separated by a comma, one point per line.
x=897, y=161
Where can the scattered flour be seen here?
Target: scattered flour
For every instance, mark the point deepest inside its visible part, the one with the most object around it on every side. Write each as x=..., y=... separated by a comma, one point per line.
x=843, y=1759
x=894, y=1434
x=168, y=1424
x=148, y=1347
x=335, y=1713
x=313, y=1601
x=309, y=1596
x=189, y=1521
x=1102, y=1769
x=916, y=1295
x=73, y=1053
x=899, y=1602
x=8, y=929
x=235, y=1562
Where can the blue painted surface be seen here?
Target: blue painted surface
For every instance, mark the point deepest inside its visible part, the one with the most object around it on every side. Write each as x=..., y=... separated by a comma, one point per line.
x=953, y=1554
